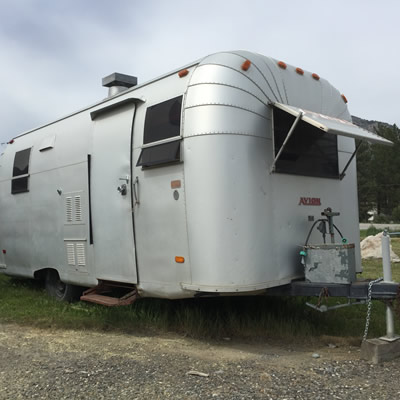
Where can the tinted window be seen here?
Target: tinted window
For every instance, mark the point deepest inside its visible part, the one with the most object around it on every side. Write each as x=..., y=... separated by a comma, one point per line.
x=163, y=120
x=21, y=162
x=160, y=154
x=21, y=167
x=309, y=151
x=19, y=185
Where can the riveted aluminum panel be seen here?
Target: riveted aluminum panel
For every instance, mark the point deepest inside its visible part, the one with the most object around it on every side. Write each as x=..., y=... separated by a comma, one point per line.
x=160, y=217
x=205, y=94
x=250, y=221
x=223, y=76
x=212, y=119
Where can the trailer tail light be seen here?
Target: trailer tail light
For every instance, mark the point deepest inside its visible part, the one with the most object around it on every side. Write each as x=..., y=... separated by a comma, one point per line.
x=4, y=251
x=183, y=73
x=246, y=65
x=282, y=65
x=344, y=98
x=315, y=76
x=299, y=71
x=11, y=141
x=179, y=260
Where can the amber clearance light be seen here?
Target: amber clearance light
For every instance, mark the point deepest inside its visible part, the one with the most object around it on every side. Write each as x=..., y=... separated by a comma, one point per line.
x=282, y=65
x=246, y=65
x=179, y=260
x=183, y=73
x=315, y=76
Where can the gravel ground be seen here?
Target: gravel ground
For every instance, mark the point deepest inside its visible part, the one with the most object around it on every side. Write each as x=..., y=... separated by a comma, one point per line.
x=62, y=364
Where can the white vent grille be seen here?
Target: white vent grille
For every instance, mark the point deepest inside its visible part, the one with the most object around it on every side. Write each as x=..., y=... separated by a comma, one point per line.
x=78, y=209
x=76, y=255
x=71, y=253
x=80, y=254
x=68, y=209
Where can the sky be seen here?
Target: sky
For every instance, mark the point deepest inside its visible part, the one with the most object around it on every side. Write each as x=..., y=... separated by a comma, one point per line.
x=54, y=53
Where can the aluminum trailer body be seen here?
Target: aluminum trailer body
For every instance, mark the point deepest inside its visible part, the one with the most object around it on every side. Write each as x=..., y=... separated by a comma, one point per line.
x=175, y=186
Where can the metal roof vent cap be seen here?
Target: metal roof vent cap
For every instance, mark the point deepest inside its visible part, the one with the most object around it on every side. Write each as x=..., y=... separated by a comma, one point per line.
x=117, y=83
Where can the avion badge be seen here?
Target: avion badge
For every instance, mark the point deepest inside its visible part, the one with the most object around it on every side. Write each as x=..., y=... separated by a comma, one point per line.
x=309, y=201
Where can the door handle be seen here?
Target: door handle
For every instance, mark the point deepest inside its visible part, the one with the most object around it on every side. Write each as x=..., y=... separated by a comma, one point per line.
x=135, y=187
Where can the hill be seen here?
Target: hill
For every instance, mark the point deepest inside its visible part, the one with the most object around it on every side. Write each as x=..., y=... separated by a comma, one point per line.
x=371, y=126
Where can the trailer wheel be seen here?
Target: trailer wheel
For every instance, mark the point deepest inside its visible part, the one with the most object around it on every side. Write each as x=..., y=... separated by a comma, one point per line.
x=61, y=291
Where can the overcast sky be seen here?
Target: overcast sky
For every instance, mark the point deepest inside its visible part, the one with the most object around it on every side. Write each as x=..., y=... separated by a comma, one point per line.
x=55, y=52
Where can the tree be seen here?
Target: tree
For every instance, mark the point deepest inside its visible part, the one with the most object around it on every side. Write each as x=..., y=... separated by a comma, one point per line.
x=378, y=173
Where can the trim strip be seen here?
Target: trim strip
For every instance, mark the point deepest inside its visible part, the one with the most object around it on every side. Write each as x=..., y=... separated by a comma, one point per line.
x=114, y=106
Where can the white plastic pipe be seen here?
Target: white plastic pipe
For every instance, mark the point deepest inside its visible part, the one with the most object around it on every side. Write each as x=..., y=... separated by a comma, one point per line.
x=387, y=277
x=389, y=322
x=387, y=269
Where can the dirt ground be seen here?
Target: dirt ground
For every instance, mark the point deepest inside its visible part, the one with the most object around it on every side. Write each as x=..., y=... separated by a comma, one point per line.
x=66, y=364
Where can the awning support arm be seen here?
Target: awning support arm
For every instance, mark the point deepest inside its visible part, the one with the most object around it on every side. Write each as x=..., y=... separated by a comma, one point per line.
x=343, y=174
x=291, y=130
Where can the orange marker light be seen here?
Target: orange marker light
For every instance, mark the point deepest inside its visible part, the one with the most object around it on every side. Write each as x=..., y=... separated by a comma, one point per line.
x=344, y=98
x=299, y=71
x=183, y=73
x=176, y=184
x=246, y=65
x=315, y=76
x=282, y=65
x=179, y=260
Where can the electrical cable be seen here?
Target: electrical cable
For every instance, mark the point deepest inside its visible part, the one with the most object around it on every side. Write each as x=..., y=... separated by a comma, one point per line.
x=313, y=225
x=340, y=233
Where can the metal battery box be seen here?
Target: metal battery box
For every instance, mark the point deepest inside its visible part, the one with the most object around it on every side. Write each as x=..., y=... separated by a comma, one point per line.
x=330, y=263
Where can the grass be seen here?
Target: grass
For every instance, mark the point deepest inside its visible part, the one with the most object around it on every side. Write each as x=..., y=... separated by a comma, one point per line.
x=372, y=230
x=25, y=302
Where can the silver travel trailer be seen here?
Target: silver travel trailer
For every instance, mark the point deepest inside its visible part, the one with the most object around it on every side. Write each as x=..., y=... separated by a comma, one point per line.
x=204, y=181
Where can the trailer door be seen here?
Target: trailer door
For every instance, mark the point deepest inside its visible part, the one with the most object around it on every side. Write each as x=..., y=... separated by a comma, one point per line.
x=110, y=193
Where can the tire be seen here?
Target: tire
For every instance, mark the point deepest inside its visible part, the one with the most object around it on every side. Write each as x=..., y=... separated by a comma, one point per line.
x=61, y=291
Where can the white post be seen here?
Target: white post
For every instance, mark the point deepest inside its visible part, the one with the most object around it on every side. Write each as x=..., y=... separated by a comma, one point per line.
x=387, y=269
x=387, y=277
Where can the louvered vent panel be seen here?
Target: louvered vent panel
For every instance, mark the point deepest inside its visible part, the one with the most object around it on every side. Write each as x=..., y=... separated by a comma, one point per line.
x=71, y=253
x=80, y=254
x=78, y=209
x=68, y=209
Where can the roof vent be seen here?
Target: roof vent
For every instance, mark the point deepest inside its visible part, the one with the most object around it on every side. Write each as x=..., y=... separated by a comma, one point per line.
x=117, y=83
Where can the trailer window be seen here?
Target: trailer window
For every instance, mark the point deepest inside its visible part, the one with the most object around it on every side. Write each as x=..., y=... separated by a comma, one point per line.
x=163, y=120
x=309, y=151
x=165, y=153
x=20, y=180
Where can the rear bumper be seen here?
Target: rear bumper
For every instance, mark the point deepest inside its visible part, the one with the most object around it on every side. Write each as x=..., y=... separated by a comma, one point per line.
x=356, y=290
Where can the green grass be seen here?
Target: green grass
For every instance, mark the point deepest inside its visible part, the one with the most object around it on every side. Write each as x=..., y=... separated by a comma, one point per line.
x=372, y=230
x=25, y=302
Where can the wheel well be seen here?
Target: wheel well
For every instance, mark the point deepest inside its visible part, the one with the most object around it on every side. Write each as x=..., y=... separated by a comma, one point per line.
x=41, y=273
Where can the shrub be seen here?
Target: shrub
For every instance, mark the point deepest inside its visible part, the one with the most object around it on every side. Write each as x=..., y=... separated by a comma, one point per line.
x=382, y=219
x=373, y=231
x=396, y=214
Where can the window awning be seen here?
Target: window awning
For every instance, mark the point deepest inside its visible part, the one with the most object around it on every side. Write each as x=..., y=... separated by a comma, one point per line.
x=333, y=125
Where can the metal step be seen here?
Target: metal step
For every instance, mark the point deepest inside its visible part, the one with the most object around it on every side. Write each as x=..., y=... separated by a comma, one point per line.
x=100, y=294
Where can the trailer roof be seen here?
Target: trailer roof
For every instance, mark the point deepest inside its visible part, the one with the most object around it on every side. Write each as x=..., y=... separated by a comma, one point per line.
x=272, y=82
x=110, y=100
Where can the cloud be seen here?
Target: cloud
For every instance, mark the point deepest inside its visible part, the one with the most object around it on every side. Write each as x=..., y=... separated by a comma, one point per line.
x=54, y=54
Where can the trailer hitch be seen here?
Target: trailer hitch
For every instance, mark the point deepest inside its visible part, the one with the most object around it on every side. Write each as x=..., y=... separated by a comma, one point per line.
x=325, y=308
x=324, y=294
